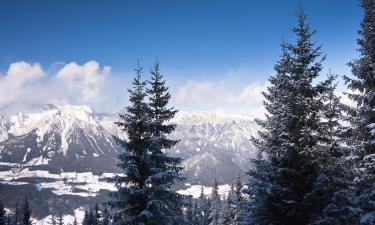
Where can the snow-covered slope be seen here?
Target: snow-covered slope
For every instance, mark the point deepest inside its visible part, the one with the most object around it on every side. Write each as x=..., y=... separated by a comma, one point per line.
x=214, y=145
x=69, y=137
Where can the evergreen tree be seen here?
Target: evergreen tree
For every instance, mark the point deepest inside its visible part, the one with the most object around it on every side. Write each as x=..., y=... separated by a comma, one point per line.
x=197, y=214
x=332, y=189
x=227, y=210
x=75, y=222
x=362, y=116
x=16, y=220
x=133, y=195
x=206, y=211
x=3, y=215
x=97, y=216
x=85, y=220
x=165, y=169
x=202, y=211
x=288, y=163
x=9, y=218
x=215, y=205
x=201, y=197
x=144, y=195
x=105, y=216
x=237, y=202
x=26, y=219
x=53, y=221
x=189, y=214
x=60, y=219
x=91, y=218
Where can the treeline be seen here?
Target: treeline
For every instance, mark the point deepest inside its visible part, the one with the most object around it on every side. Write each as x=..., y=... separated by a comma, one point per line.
x=20, y=216
x=216, y=209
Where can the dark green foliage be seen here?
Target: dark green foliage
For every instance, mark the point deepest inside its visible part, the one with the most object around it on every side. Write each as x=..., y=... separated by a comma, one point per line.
x=26, y=218
x=17, y=215
x=289, y=161
x=331, y=200
x=3, y=218
x=53, y=220
x=106, y=215
x=189, y=213
x=216, y=207
x=238, y=202
x=362, y=116
x=60, y=219
x=91, y=218
x=144, y=193
x=132, y=200
x=85, y=220
x=97, y=215
x=165, y=170
x=202, y=209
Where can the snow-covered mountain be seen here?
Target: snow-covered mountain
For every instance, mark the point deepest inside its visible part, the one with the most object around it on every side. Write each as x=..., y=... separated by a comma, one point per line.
x=213, y=145
x=65, y=154
x=68, y=138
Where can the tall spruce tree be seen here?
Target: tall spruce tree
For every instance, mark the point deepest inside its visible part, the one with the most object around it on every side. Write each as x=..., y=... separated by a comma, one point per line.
x=144, y=194
x=197, y=214
x=26, y=218
x=227, y=215
x=215, y=209
x=165, y=169
x=75, y=222
x=60, y=219
x=3, y=215
x=332, y=190
x=97, y=214
x=9, y=218
x=53, y=221
x=362, y=116
x=207, y=211
x=85, y=220
x=238, y=201
x=189, y=212
x=106, y=218
x=288, y=163
x=133, y=199
x=204, y=206
x=17, y=215
x=91, y=217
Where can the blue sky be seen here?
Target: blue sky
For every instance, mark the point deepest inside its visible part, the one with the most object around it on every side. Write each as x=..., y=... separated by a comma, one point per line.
x=208, y=46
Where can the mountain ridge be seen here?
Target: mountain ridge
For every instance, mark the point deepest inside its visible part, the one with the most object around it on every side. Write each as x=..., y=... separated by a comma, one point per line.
x=67, y=153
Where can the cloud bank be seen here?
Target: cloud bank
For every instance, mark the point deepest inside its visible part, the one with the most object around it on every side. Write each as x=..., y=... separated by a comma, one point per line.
x=29, y=84
x=200, y=91
x=248, y=101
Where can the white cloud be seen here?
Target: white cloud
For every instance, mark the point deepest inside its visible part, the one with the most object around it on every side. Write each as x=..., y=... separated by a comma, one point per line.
x=200, y=91
x=18, y=81
x=29, y=84
x=252, y=93
x=87, y=80
x=197, y=91
x=217, y=95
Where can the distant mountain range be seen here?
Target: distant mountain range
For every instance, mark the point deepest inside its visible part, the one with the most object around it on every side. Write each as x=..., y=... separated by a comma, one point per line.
x=64, y=154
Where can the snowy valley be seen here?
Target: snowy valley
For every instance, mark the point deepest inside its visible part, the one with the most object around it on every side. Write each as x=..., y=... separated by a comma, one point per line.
x=62, y=157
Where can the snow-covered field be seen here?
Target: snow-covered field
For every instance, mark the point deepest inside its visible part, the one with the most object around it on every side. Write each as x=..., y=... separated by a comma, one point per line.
x=84, y=184
x=195, y=190
x=68, y=219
